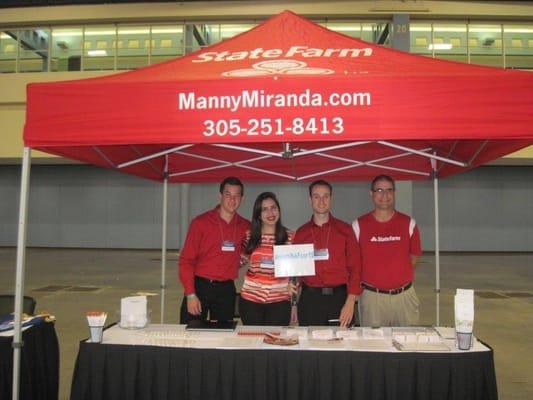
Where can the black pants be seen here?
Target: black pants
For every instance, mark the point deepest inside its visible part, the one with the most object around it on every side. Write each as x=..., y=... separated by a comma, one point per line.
x=316, y=308
x=217, y=299
x=276, y=314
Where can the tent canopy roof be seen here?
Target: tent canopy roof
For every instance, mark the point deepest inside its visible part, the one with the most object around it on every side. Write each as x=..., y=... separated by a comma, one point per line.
x=287, y=100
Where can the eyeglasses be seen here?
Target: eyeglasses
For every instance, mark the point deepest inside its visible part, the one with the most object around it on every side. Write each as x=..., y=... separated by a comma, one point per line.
x=382, y=190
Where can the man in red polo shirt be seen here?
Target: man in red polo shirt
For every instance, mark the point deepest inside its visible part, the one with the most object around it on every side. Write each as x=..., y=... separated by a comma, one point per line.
x=209, y=260
x=330, y=294
x=390, y=248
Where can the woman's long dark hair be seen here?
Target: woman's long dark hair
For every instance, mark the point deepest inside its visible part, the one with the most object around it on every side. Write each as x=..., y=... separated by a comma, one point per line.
x=255, y=231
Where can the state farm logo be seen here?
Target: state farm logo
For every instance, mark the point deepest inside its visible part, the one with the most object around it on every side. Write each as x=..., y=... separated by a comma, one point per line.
x=283, y=67
x=385, y=238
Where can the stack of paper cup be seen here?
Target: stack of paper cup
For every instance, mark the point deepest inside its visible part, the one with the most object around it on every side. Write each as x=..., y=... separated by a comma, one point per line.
x=96, y=320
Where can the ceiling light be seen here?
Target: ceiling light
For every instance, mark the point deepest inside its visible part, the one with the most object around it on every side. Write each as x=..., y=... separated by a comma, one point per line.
x=167, y=30
x=65, y=33
x=449, y=29
x=100, y=33
x=440, y=46
x=345, y=28
x=420, y=28
x=485, y=30
x=96, y=53
x=517, y=30
x=122, y=31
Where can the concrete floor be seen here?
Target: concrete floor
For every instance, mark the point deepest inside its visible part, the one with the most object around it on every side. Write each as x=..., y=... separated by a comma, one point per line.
x=505, y=323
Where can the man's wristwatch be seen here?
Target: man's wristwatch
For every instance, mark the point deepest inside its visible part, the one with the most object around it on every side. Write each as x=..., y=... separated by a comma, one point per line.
x=191, y=296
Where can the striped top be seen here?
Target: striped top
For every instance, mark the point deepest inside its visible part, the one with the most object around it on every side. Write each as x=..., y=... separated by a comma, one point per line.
x=260, y=285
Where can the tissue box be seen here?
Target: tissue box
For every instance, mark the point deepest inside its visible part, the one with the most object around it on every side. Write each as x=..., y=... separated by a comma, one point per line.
x=134, y=312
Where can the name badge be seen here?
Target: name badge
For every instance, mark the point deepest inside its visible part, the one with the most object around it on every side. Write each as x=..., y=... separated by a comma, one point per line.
x=321, y=254
x=228, y=245
x=267, y=263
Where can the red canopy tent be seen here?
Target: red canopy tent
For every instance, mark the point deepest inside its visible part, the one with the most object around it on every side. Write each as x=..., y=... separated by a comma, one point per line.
x=286, y=101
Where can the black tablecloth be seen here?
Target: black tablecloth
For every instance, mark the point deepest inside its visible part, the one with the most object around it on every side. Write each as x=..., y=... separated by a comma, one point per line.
x=144, y=372
x=39, y=361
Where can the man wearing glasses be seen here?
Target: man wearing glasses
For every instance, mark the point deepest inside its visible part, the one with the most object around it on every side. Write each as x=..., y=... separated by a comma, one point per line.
x=390, y=248
x=209, y=260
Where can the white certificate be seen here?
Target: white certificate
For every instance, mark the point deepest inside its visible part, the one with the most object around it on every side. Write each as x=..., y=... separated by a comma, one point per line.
x=294, y=260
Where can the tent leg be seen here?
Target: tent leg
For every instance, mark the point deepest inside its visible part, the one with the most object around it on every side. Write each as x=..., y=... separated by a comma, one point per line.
x=437, y=249
x=164, y=248
x=184, y=211
x=21, y=259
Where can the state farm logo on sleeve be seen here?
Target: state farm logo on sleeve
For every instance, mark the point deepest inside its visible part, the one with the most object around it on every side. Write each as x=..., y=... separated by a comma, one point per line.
x=385, y=238
x=285, y=67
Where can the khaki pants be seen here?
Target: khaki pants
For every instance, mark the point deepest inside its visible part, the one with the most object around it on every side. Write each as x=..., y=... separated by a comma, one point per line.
x=378, y=309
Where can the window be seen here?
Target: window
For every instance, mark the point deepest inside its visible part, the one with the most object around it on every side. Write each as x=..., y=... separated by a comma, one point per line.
x=349, y=28
x=421, y=41
x=127, y=46
x=165, y=43
x=170, y=40
x=66, y=49
x=8, y=51
x=33, y=50
x=136, y=53
x=517, y=54
x=95, y=55
x=420, y=37
x=133, y=44
x=486, y=50
x=449, y=41
x=455, y=42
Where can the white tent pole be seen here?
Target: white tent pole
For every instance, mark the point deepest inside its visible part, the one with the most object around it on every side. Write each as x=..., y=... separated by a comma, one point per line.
x=152, y=156
x=164, y=241
x=433, y=156
x=437, y=246
x=185, y=189
x=21, y=258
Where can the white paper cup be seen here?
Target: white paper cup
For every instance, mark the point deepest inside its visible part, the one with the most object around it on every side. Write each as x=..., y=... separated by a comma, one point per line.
x=464, y=340
x=97, y=333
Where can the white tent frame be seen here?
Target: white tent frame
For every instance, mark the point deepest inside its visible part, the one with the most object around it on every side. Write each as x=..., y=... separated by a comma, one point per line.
x=285, y=153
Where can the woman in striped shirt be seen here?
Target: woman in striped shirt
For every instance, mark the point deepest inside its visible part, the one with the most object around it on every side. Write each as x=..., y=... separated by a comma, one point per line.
x=265, y=299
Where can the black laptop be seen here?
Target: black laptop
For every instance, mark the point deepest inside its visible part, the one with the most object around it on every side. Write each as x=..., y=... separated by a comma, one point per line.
x=201, y=325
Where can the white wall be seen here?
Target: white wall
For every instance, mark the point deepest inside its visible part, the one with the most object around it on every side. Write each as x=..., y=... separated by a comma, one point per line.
x=487, y=209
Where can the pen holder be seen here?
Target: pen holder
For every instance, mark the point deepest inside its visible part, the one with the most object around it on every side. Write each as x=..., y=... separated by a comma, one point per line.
x=97, y=333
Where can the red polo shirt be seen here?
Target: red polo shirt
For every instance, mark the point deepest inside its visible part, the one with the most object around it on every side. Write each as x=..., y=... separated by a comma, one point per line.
x=386, y=249
x=202, y=254
x=343, y=265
